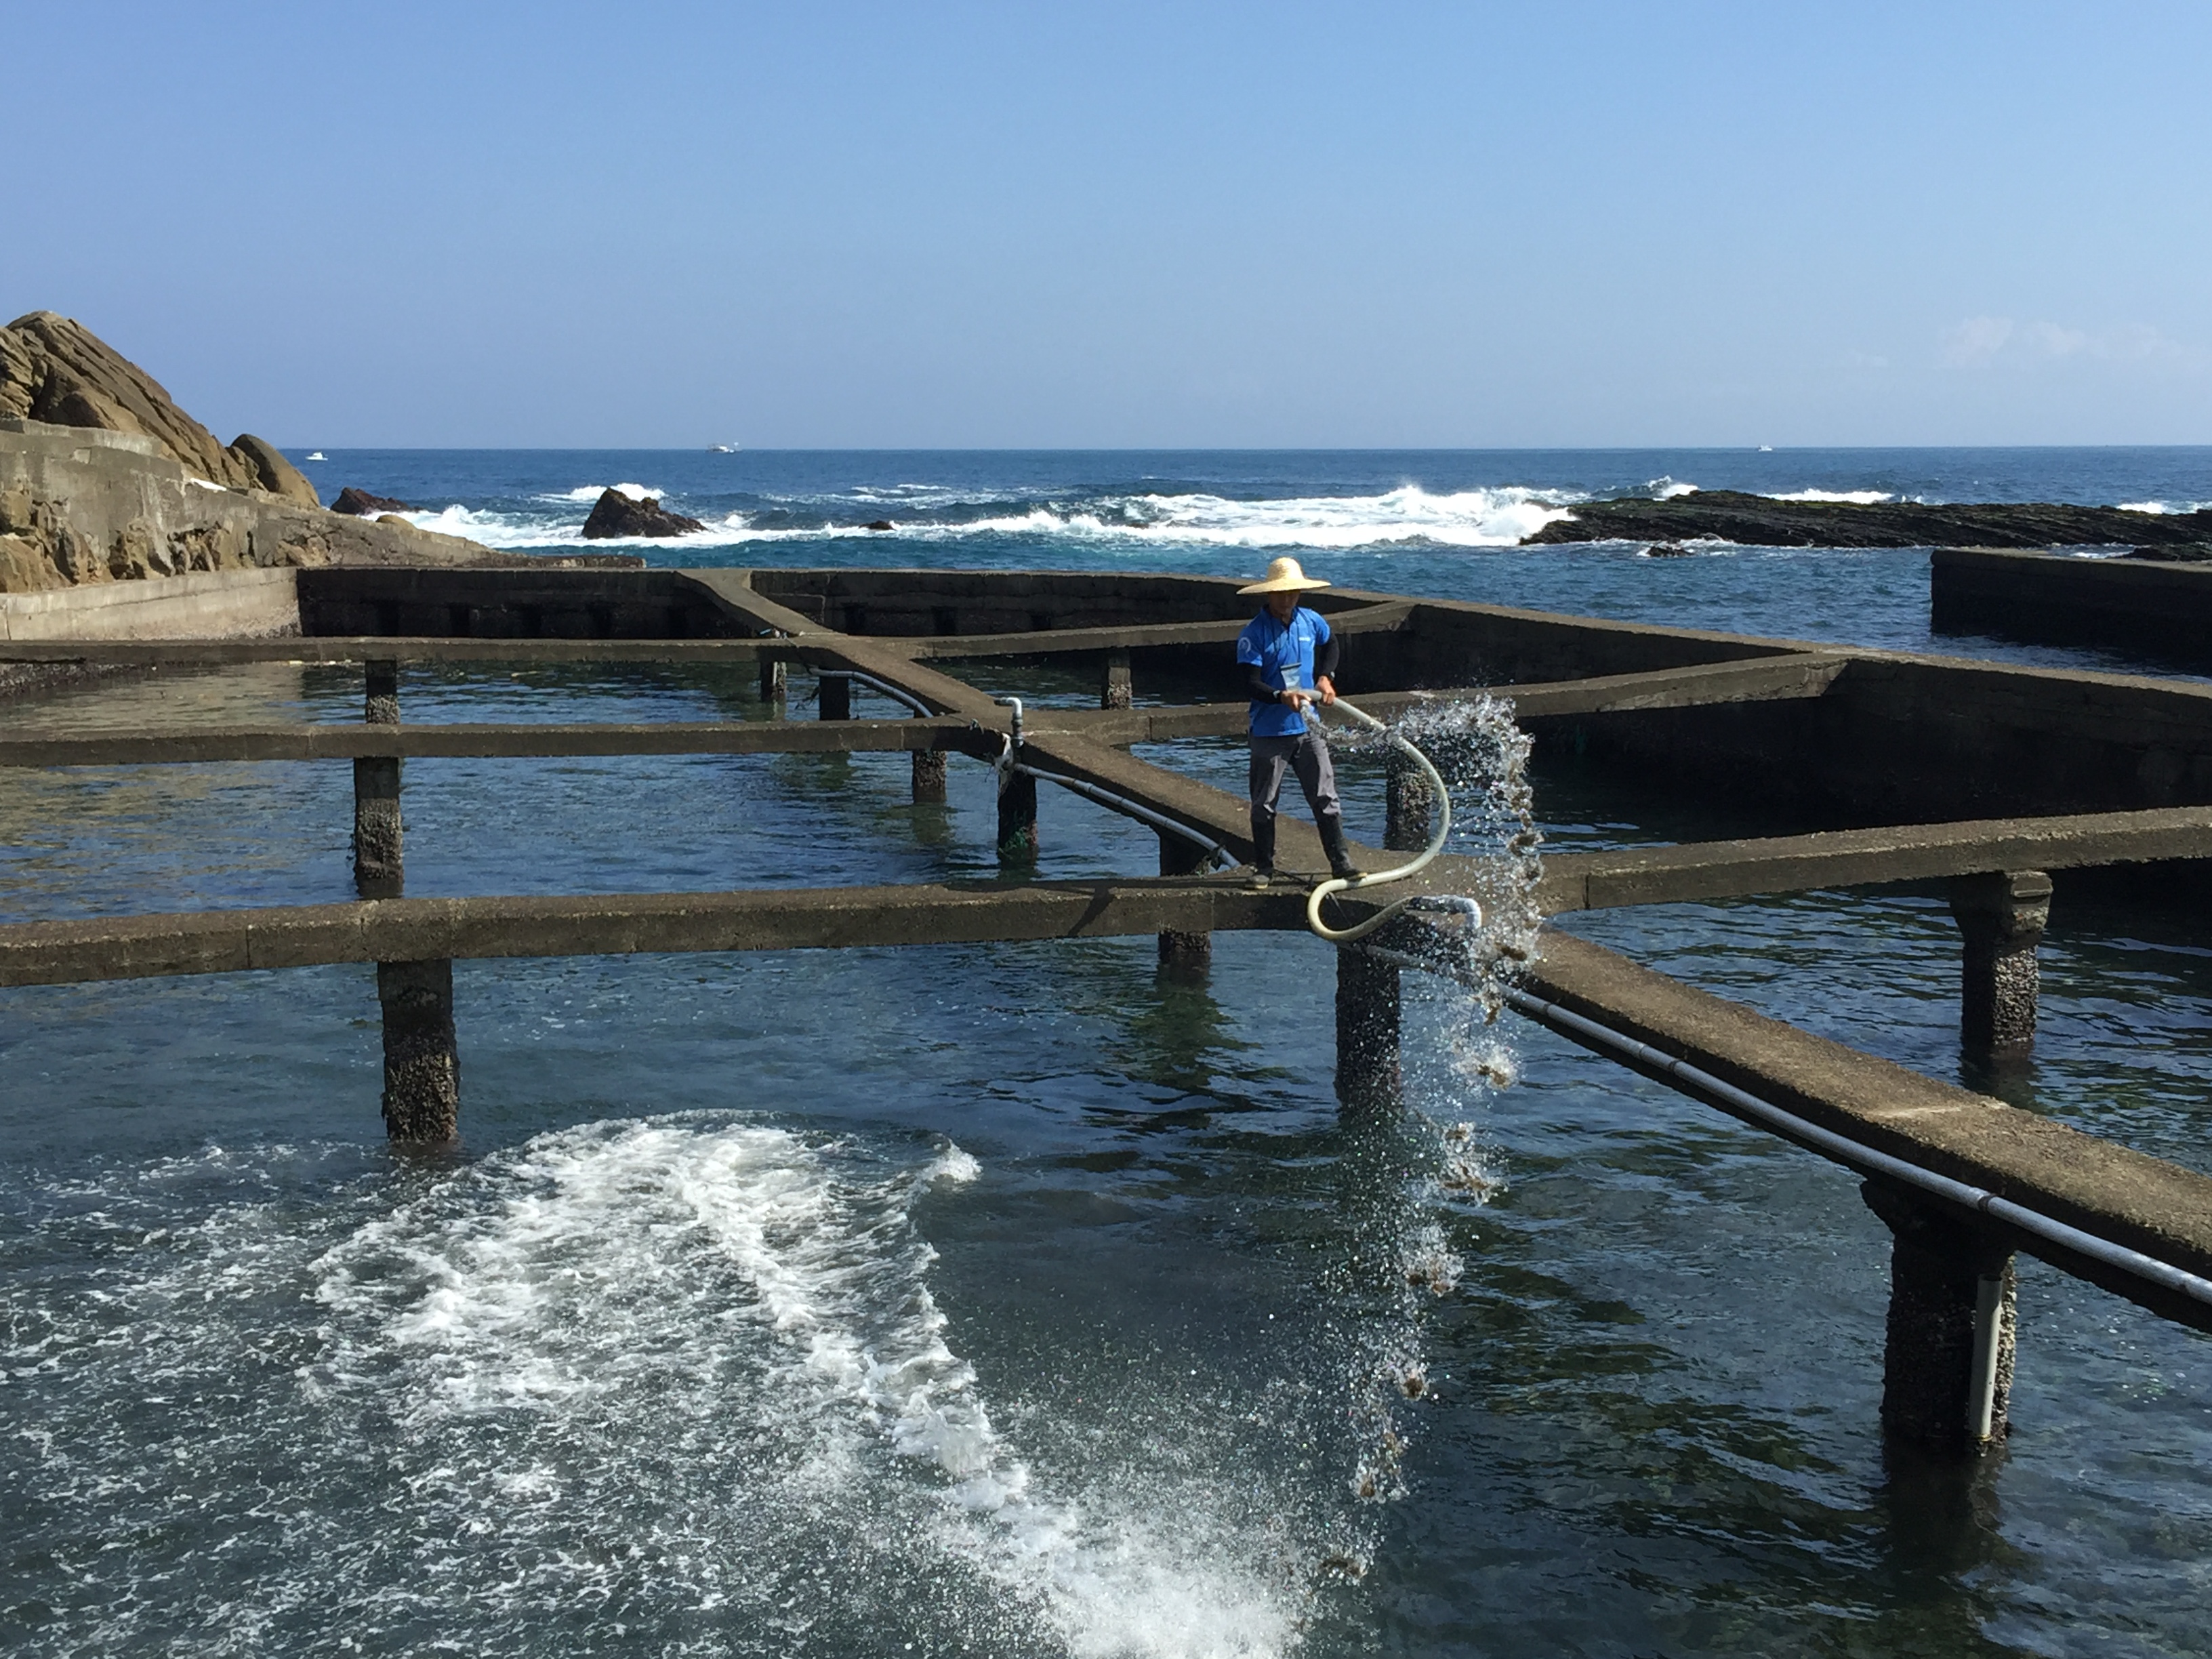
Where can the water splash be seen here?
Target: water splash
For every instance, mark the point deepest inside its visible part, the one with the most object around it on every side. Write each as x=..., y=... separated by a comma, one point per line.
x=1429, y=1162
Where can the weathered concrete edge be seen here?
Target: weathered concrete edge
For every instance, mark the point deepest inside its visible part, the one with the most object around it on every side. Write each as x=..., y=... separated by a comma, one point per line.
x=1758, y=679
x=350, y=742
x=2089, y=1182
x=249, y=602
x=82, y=950
x=1862, y=858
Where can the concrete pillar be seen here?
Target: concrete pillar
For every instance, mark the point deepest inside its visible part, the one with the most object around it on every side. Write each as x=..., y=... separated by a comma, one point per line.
x=1367, y=1011
x=377, y=851
x=836, y=698
x=773, y=682
x=382, y=705
x=1182, y=951
x=1954, y=1314
x=421, y=1071
x=1115, y=689
x=2002, y=916
x=1017, y=819
x=1408, y=820
x=928, y=774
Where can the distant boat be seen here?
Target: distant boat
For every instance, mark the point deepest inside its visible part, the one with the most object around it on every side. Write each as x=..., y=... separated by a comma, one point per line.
x=721, y=449
x=1766, y=449
x=318, y=456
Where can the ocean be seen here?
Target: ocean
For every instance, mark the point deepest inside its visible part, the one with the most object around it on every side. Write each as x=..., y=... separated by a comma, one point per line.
x=1019, y=1300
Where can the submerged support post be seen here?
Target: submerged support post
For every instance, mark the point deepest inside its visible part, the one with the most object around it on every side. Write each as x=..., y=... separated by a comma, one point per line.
x=773, y=681
x=1367, y=1014
x=1018, y=817
x=378, y=870
x=1181, y=951
x=1953, y=1315
x=928, y=776
x=836, y=698
x=1407, y=822
x=1116, y=687
x=422, y=1070
x=2002, y=916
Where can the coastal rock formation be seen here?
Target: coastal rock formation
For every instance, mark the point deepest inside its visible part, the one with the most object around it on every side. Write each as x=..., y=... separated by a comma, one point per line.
x=363, y=505
x=1760, y=521
x=618, y=514
x=103, y=478
x=55, y=370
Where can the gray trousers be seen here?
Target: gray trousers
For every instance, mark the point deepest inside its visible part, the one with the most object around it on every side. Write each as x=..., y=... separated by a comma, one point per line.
x=1308, y=756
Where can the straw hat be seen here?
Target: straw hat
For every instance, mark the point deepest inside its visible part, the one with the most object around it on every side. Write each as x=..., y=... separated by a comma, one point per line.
x=1283, y=577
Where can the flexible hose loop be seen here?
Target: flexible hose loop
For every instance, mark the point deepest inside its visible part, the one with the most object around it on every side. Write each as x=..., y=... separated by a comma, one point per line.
x=1352, y=884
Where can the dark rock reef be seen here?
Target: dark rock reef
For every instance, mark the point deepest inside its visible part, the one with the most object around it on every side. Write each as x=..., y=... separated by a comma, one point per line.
x=57, y=370
x=1730, y=515
x=363, y=505
x=618, y=514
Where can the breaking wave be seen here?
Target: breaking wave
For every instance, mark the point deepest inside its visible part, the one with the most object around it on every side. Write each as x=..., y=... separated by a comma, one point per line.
x=1845, y=497
x=1407, y=515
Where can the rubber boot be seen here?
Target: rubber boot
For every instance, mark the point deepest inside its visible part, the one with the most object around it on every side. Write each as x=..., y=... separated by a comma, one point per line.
x=1340, y=855
x=1263, y=850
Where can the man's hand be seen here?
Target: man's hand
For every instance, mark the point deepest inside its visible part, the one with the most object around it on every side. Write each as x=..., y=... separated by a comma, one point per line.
x=1293, y=696
x=1328, y=690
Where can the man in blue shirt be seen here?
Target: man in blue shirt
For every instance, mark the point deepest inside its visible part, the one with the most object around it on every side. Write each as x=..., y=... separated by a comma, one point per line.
x=1289, y=658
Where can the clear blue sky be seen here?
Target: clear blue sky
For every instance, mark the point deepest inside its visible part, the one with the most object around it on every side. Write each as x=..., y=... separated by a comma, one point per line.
x=849, y=224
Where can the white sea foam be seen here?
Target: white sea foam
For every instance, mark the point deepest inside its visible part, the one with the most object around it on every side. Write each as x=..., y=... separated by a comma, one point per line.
x=1668, y=490
x=2164, y=507
x=1847, y=497
x=590, y=493
x=737, y=1276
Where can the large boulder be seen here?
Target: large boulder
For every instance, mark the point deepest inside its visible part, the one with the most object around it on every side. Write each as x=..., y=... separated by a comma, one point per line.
x=53, y=368
x=618, y=514
x=363, y=505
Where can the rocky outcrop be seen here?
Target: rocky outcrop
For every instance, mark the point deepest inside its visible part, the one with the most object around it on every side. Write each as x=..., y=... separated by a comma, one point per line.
x=55, y=370
x=618, y=514
x=1758, y=521
x=79, y=505
x=363, y=505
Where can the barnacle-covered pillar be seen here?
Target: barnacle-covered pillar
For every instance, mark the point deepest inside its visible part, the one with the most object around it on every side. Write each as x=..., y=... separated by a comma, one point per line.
x=1184, y=951
x=1947, y=1359
x=1367, y=1015
x=2002, y=916
x=421, y=1067
x=377, y=868
x=1116, y=687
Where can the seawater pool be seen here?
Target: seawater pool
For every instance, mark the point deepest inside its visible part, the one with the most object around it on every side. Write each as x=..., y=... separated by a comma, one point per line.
x=999, y=1299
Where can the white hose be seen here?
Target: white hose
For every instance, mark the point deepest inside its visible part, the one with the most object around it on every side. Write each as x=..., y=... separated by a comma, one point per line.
x=1354, y=884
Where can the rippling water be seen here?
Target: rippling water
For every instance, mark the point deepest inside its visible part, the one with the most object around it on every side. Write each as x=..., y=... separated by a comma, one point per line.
x=1016, y=1299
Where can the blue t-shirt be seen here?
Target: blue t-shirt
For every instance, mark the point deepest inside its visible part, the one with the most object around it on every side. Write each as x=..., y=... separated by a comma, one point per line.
x=1283, y=653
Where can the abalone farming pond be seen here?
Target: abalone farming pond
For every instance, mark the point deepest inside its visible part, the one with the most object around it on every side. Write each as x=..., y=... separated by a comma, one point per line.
x=1006, y=1298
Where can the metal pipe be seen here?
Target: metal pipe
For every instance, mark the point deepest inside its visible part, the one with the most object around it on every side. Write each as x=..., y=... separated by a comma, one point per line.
x=883, y=686
x=2033, y=1223
x=1982, y=1375
x=1132, y=809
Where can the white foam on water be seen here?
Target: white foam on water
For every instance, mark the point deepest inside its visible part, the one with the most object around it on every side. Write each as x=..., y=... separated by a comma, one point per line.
x=1472, y=517
x=588, y=493
x=601, y=1268
x=1407, y=515
x=2162, y=507
x=1845, y=497
x=1667, y=489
